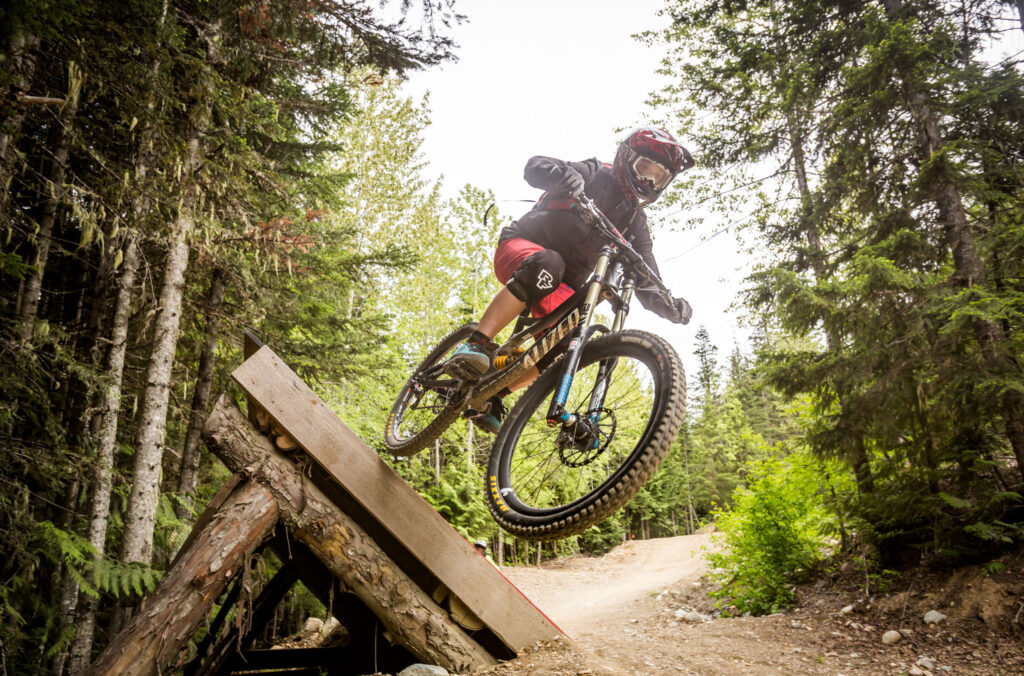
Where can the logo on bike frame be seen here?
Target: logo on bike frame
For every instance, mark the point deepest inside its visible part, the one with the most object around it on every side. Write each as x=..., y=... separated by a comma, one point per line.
x=551, y=338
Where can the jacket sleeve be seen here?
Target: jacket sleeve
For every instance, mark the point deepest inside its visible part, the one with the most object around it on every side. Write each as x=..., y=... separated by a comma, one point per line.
x=542, y=172
x=641, y=241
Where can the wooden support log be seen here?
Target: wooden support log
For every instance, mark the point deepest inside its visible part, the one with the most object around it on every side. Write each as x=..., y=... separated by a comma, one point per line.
x=206, y=663
x=408, y=613
x=152, y=641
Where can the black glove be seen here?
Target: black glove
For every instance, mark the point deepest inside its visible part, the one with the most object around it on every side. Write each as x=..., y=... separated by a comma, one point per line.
x=570, y=183
x=683, y=310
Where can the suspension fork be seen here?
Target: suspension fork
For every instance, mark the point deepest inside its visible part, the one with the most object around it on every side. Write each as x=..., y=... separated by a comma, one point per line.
x=606, y=367
x=628, y=284
x=556, y=411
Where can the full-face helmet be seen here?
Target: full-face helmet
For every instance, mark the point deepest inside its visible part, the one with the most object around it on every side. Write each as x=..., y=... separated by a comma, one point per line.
x=647, y=161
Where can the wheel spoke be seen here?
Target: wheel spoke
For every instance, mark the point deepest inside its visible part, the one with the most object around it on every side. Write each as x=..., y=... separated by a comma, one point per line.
x=424, y=398
x=544, y=477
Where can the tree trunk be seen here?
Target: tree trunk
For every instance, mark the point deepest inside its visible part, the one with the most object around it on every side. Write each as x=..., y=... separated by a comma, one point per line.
x=969, y=270
x=55, y=189
x=152, y=641
x=106, y=445
x=142, y=502
x=21, y=66
x=437, y=462
x=68, y=601
x=855, y=450
x=201, y=398
x=343, y=546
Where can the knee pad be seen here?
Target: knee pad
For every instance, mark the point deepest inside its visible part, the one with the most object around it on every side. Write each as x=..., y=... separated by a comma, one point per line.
x=537, y=276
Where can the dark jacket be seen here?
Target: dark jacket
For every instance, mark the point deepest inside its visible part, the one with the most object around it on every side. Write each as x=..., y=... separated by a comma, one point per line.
x=552, y=225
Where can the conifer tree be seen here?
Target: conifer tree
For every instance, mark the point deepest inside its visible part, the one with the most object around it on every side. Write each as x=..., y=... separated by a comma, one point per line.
x=865, y=116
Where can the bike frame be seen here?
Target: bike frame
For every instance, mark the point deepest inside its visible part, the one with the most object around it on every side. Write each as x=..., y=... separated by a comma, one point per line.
x=576, y=313
x=614, y=279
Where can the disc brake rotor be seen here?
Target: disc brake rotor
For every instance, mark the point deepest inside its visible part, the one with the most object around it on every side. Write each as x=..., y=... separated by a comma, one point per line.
x=587, y=439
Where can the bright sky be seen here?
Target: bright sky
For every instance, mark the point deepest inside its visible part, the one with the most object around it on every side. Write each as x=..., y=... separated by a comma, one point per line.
x=558, y=78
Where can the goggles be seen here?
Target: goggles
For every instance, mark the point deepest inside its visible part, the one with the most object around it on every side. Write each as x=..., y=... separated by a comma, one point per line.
x=646, y=169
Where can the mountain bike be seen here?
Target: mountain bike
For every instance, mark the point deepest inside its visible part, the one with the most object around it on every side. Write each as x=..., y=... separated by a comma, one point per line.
x=593, y=427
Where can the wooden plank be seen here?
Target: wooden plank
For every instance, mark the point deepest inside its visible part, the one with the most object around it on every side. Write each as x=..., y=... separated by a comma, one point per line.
x=392, y=502
x=250, y=346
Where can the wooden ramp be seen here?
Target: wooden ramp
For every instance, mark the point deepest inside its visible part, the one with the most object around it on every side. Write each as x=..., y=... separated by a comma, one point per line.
x=389, y=502
x=352, y=530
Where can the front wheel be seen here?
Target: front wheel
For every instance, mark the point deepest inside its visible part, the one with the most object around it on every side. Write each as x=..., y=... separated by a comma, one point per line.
x=548, y=482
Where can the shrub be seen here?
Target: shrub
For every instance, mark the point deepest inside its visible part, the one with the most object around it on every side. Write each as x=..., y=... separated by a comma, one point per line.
x=772, y=536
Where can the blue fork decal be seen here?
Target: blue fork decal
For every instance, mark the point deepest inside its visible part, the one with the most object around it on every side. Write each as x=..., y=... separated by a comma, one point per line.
x=563, y=389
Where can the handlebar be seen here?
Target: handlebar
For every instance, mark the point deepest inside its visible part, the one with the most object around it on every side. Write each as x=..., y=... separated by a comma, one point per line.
x=591, y=214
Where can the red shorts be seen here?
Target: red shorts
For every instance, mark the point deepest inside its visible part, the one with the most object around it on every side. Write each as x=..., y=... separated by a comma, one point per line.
x=510, y=255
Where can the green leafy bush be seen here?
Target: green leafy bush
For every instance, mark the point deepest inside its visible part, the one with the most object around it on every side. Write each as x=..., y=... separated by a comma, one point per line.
x=773, y=535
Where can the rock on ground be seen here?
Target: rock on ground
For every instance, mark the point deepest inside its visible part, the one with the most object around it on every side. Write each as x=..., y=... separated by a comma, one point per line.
x=891, y=637
x=423, y=670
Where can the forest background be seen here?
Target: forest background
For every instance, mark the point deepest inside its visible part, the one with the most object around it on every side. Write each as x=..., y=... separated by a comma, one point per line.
x=174, y=171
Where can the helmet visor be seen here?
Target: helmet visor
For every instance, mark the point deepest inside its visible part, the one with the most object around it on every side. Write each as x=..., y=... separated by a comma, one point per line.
x=652, y=173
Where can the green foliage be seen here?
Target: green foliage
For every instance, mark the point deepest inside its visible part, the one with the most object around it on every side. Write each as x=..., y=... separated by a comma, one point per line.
x=233, y=119
x=94, y=575
x=773, y=535
x=867, y=150
x=881, y=581
x=994, y=567
x=602, y=537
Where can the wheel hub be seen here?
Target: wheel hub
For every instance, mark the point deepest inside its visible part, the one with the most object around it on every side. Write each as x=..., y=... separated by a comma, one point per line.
x=581, y=441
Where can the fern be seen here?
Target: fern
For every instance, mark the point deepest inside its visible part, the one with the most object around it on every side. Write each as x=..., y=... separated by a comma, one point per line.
x=94, y=575
x=123, y=579
x=61, y=642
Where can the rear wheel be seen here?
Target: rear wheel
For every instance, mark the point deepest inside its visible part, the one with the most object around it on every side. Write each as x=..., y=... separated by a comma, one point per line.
x=548, y=482
x=428, y=403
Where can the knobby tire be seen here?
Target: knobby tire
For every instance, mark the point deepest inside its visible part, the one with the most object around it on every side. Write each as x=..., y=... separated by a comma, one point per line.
x=444, y=418
x=560, y=521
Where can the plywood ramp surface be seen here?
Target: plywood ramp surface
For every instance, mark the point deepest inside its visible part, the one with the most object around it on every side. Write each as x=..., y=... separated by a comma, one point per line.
x=392, y=502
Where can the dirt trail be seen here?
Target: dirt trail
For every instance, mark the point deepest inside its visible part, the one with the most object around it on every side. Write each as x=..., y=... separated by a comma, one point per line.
x=582, y=595
x=622, y=614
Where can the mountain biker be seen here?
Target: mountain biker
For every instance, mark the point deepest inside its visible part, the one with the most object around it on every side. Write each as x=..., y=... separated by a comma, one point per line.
x=550, y=250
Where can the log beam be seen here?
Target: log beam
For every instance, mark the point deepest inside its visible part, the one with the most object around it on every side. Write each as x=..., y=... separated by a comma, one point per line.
x=152, y=641
x=408, y=613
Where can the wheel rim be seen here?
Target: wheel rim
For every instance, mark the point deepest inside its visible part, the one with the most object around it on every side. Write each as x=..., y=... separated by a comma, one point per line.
x=542, y=476
x=421, y=401
x=419, y=407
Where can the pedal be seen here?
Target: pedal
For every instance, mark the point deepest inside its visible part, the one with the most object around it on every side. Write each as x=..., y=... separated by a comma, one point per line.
x=462, y=371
